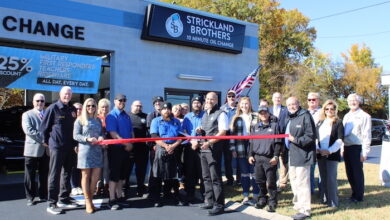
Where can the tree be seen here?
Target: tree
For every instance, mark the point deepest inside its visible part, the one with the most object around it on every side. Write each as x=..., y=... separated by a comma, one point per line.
x=361, y=75
x=316, y=73
x=284, y=36
x=11, y=97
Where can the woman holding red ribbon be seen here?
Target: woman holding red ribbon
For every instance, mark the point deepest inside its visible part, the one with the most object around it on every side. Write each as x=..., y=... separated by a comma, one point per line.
x=88, y=131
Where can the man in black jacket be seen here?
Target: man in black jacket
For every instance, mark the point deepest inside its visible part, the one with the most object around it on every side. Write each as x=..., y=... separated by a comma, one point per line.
x=140, y=154
x=301, y=144
x=57, y=131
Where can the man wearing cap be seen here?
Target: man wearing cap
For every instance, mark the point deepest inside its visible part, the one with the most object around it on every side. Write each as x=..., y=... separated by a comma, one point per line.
x=119, y=126
x=264, y=154
x=157, y=103
x=301, y=144
x=230, y=108
x=192, y=165
x=165, y=164
x=214, y=123
x=57, y=131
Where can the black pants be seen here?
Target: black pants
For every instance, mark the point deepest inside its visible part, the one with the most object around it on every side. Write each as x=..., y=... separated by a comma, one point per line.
x=354, y=169
x=265, y=175
x=60, y=168
x=139, y=158
x=31, y=165
x=212, y=177
x=169, y=185
x=192, y=171
x=152, y=154
x=227, y=159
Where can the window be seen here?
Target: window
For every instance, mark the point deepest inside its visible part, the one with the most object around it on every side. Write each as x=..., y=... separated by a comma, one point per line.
x=178, y=96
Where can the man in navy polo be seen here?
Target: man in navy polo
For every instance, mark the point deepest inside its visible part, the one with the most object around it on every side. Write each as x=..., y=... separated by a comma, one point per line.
x=118, y=125
x=57, y=130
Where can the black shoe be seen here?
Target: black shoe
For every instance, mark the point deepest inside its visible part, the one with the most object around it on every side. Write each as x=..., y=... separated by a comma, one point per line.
x=260, y=205
x=352, y=200
x=215, y=211
x=206, y=206
x=271, y=208
x=123, y=202
x=113, y=205
x=299, y=216
x=40, y=200
x=157, y=204
x=229, y=182
x=30, y=202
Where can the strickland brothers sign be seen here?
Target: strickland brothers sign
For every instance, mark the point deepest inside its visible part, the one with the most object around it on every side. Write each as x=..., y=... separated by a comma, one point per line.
x=180, y=27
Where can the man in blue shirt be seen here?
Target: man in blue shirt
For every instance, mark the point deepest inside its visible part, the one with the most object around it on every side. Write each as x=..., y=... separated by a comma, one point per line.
x=165, y=164
x=192, y=165
x=118, y=125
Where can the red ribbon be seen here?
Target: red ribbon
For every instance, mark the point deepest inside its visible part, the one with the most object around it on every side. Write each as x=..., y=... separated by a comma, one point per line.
x=236, y=137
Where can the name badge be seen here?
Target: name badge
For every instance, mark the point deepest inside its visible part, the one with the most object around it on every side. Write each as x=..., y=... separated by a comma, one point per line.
x=61, y=116
x=298, y=126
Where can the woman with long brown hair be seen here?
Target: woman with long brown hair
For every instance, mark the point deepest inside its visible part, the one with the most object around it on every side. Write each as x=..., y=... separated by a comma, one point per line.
x=330, y=135
x=241, y=124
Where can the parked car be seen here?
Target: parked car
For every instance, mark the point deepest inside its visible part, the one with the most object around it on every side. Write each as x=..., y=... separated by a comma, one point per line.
x=378, y=129
x=12, y=138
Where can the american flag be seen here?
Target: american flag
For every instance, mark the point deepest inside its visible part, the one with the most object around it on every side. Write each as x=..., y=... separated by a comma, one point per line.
x=247, y=82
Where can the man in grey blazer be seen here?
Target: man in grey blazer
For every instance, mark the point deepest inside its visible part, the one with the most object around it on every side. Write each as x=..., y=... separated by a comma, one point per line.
x=35, y=152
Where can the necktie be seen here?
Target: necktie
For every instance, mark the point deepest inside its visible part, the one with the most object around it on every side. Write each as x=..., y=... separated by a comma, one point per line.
x=40, y=115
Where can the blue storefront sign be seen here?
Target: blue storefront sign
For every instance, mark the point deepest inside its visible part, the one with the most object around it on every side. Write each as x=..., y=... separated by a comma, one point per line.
x=48, y=71
x=181, y=27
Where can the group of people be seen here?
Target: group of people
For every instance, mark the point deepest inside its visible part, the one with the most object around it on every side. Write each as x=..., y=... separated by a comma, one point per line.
x=56, y=136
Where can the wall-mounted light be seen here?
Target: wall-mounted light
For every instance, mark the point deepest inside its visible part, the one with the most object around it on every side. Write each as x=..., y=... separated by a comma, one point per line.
x=195, y=77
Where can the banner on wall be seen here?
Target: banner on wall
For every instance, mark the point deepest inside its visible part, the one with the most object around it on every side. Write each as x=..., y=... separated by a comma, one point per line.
x=48, y=71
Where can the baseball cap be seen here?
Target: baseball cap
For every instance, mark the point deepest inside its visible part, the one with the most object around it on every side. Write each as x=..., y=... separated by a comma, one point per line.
x=197, y=98
x=157, y=99
x=263, y=108
x=167, y=105
x=120, y=96
x=231, y=91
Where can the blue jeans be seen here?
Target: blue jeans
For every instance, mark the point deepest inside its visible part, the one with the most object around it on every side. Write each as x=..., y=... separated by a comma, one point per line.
x=248, y=178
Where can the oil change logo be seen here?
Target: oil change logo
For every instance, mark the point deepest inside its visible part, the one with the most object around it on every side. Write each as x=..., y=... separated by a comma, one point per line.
x=174, y=26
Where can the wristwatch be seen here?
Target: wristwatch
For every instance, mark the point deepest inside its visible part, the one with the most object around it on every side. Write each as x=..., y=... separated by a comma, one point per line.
x=276, y=157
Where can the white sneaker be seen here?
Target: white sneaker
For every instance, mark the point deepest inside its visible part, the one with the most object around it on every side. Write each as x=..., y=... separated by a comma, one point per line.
x=79, y=191
x=53, y=209
x=74, y=192
x=67, y=204
x=245, y=201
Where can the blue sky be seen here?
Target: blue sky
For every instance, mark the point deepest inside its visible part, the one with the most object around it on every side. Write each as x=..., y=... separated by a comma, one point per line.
x=333, y=33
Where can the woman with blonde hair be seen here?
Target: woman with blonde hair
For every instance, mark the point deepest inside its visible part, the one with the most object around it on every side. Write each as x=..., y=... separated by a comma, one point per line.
x=102, y=112
x=88, y=131
x=330, y=135
x=241, y=124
